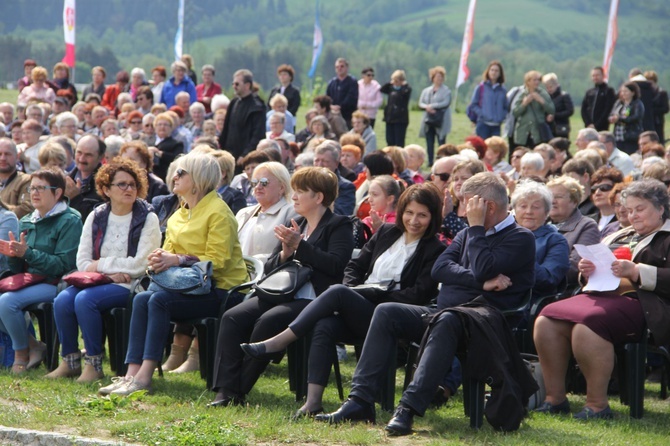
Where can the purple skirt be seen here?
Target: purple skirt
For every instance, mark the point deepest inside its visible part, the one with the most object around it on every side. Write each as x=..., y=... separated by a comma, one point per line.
x=615, y=318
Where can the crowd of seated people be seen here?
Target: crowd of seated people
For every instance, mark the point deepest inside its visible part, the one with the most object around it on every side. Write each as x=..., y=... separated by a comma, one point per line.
x=146, y=175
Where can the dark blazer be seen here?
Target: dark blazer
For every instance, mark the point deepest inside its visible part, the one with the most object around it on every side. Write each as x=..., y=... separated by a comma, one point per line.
x=397, y=104
x=597, y=105
x=157, y=187
x=170, y=148
x=293, y=96
x=88, y=198
x=327, y=250
x=346, y=197
x=244, y=125
x=416, y=285
x=652, y=255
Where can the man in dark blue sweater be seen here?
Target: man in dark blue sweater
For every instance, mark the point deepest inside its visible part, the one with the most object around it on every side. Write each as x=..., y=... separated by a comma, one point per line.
x=493, y=258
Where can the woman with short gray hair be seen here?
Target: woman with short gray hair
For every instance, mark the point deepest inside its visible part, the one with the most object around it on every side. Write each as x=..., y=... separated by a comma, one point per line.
x=531, y=203
x=590, y=325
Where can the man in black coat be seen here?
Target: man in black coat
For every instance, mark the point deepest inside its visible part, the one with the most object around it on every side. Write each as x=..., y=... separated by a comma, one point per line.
x=598, y=102
x=80, y=184
x=493, y=258
x=244, y=126
x=343, y=90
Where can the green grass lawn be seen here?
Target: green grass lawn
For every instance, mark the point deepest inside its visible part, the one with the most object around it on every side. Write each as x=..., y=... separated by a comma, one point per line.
x=176, y=415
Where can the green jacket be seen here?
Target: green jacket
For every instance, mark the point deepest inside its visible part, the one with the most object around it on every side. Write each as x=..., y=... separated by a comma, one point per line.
x=530, y=117
x=52, y=244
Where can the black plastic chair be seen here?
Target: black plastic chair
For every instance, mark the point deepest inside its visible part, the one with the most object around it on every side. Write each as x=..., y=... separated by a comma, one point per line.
x=207, y=328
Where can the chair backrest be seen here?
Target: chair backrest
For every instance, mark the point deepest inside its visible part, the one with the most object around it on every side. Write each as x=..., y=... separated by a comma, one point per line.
x=255, y=269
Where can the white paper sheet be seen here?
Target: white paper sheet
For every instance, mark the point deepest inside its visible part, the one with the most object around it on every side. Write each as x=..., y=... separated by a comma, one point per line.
x=602, y=278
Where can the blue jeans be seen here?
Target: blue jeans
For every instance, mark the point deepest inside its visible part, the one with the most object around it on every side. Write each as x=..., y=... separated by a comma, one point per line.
x=12, y=303
x=152, y=313
x=75, y=307
x=486, y=131
x=431, y=134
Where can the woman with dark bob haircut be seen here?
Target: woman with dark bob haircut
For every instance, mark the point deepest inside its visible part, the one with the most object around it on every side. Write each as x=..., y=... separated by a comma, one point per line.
x=627, y=116
x=319, y=239
x=399, y=255
x=589, y=325
x=47, y=246
x=117, y=238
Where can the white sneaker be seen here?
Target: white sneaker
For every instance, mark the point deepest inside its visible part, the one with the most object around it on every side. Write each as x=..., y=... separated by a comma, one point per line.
x=117, y=382
x=131, y=386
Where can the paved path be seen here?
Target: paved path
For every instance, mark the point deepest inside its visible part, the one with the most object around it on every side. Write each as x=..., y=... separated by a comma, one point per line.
x=11, y=436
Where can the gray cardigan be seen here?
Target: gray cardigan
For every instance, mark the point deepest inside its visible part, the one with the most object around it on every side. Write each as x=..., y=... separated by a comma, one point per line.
x=441, y=99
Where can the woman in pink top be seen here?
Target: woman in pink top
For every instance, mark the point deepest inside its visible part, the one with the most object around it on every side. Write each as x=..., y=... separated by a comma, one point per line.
x=369, y=96
x=383, y=197
x=38, y=89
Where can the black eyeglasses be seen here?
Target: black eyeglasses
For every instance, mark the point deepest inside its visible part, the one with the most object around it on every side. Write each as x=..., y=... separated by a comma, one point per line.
x=263, y=182
x=136, y=122
x=236, y=84
x=125, y=186
x=40, y=189
x=602, y=188
x=181, y=172
x=443, y=176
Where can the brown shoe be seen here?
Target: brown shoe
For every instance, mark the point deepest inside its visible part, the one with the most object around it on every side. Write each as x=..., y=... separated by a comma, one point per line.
x=192, y=363
x=92, y=370
x=69, y=367
x=178, y=355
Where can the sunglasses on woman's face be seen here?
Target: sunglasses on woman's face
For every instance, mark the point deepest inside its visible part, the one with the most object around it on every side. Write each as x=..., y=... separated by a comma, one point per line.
x=602, y=188
x=180, y=172
x=263, y=182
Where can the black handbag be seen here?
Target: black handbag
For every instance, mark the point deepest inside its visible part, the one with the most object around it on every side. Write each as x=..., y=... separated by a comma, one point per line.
x=435, y=119
x=195, y=279
x=282, y=283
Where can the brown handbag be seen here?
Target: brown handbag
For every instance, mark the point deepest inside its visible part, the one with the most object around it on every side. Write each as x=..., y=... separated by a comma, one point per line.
x=19, y=281
x=86, y=279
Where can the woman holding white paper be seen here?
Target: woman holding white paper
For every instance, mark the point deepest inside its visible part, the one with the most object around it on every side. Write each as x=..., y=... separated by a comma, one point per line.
x=589, y=325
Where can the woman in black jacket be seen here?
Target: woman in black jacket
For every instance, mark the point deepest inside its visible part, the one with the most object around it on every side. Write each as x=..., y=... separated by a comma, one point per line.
x=627, y=116
x=399, y=256
x=396, y=112
x=564, y=108
x=319, y=239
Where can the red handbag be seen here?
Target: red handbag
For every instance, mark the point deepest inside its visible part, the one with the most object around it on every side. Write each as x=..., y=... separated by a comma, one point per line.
x=86, y=279
x=19, y=281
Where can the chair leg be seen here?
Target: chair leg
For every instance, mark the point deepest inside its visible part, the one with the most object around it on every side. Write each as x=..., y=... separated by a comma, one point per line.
x=636, y=355
x=473, y=402
x=338, y=375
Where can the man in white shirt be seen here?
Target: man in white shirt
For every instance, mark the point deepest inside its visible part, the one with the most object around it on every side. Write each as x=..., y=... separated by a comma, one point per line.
x=617, y=158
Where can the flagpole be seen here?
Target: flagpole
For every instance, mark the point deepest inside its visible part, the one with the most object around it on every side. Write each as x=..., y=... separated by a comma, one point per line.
x=468, y=33
x=611, y=38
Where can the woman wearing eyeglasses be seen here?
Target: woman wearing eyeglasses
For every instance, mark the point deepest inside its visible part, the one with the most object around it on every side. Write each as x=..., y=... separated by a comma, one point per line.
x=133, y=128
x=455, y=217
x=116, y=240
x=166, y=148
x=271, y=185
x=46, y=246
x=203, y=229
x=602, y=183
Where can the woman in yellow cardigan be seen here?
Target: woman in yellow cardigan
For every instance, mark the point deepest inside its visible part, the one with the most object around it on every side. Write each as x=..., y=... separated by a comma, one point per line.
x=203, y=229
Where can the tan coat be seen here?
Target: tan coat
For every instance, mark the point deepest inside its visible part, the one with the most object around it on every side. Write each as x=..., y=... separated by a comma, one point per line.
x=15, y=195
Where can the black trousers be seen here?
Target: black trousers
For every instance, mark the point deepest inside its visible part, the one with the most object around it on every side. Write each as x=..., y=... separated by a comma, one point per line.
x=393, y=321
x=251, y=321
x=339, y=314
x=395, y=134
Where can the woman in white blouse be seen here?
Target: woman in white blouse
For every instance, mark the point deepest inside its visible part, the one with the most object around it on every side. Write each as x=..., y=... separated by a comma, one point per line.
x=271, y=185
x=400, y=256
x=116, y=240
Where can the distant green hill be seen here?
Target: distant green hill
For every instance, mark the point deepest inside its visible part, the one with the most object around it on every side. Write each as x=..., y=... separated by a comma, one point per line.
x=566, y=37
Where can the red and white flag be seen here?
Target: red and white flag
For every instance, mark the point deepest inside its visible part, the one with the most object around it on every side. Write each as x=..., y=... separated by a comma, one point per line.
x=612, y=34
x=463, y=71
x=69, y=31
